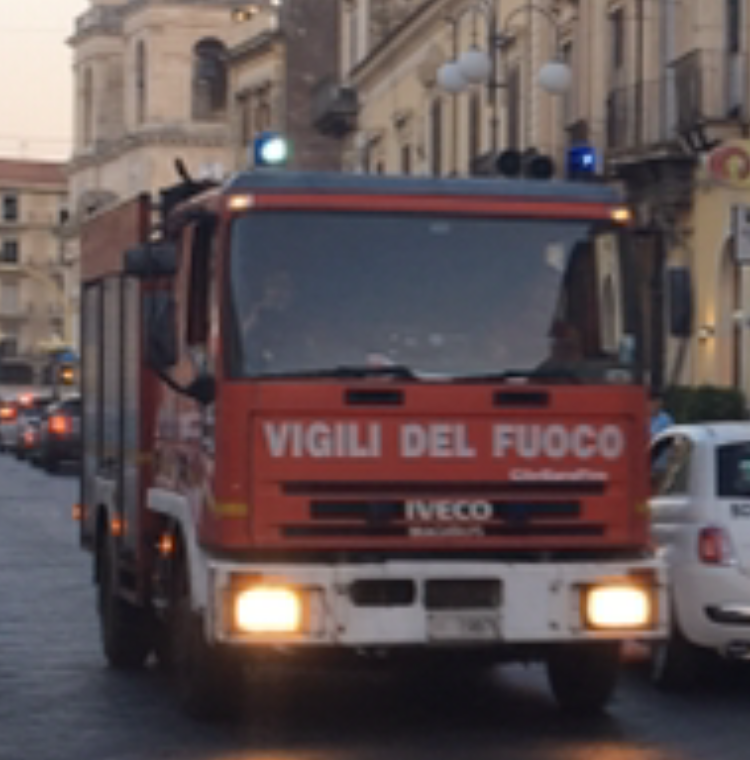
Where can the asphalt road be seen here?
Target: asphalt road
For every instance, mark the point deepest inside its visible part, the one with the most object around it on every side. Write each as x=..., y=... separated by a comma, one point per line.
x=58, y=700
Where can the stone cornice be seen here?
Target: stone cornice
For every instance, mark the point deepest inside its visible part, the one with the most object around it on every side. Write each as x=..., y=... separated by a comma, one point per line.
x=108, y=21
x=134, y=6
x=260, y=43
x=216, y=137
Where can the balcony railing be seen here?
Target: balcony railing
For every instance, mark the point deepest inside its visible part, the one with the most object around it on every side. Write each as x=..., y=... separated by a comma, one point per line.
x=636, y=117
x=710, y=87
x=702, y=87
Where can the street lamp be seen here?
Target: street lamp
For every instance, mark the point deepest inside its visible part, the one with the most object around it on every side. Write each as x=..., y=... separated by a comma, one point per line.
x=480, y=66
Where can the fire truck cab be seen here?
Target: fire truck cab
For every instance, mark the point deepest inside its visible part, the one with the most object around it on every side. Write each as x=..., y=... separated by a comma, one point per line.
x=341, y=415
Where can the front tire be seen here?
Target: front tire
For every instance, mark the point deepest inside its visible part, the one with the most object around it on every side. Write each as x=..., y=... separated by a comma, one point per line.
x=125, y=629
x=676, y=663
x=583, y=677
x=208, y=677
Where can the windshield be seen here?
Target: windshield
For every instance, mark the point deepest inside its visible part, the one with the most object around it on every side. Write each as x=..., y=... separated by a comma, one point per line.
x=450, y=296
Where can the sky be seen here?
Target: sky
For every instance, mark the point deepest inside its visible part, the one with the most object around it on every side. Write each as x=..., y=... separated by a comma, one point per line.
x=36, y=83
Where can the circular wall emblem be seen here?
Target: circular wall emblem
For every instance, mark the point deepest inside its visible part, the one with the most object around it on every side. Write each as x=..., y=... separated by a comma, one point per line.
x=729, y=164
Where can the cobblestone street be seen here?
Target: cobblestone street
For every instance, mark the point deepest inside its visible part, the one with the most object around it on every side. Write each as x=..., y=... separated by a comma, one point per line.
x=59, y=700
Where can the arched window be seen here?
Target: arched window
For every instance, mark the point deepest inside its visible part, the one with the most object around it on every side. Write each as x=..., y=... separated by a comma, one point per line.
x=141, y=80
x=436, y=140
x=209, y=80
x=88, y=106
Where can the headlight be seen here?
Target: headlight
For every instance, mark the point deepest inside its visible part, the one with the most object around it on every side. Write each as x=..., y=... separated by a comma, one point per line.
x=268, y=610
x=613, y=607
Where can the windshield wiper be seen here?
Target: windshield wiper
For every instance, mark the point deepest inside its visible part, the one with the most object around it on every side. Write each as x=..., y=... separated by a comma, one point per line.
x=346, y=372
x=535, y=375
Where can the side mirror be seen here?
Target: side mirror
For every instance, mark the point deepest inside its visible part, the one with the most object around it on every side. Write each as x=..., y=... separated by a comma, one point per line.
x=151, y=261
x=203, y=389
x=680, y=294
x=161, y=331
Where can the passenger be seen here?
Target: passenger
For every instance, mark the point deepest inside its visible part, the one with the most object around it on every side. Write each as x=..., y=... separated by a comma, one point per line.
x=661, y=419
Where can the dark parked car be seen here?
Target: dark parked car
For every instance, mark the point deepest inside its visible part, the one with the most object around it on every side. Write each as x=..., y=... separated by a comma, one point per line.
x=29, y=417
x=59, y=434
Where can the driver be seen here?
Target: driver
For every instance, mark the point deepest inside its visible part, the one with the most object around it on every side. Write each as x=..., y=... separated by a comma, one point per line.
x=266, y=327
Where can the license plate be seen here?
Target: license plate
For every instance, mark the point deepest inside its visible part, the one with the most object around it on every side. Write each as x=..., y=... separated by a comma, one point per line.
x=466, y=627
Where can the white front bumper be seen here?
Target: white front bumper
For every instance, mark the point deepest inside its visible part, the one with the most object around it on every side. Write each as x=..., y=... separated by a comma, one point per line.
x=539, y=604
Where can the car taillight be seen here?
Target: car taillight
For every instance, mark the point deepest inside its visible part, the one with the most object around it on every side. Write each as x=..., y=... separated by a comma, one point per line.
x=58, y=425
x=8, y=414
x=715, y=547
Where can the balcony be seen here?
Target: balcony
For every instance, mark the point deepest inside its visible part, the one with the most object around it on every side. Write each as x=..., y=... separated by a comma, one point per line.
x=700, y=89
x=638, y=118
x=335, y=108
x=710, y=88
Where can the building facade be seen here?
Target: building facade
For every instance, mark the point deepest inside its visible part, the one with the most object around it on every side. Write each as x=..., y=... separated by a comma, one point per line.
x=278, y=72
x=656, y=86
x=151, y=87
x=195, y=80
x=391, y=55
x=34, y=315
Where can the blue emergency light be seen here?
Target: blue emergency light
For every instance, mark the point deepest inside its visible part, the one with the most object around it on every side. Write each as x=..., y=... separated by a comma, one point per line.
x=581, y=162
x=270, y=149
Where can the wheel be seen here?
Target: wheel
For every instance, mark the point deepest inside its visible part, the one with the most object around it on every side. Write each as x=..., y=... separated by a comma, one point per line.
x=208, y=678
x=125, y=629
x=50, y=463
x=676, y=664
x=583, y=676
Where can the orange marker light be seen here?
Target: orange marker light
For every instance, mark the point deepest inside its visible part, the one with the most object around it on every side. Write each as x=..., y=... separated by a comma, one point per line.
x=622, y=215
x=58, y=425
x=241, y=202
x=117, y=526
x=166, y=544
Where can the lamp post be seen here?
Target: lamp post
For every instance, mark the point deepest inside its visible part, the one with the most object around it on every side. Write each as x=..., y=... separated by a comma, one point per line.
x=477, y=66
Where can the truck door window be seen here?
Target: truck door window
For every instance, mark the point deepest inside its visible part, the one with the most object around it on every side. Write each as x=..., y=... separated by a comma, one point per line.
x=199, y=309
x=671, y=460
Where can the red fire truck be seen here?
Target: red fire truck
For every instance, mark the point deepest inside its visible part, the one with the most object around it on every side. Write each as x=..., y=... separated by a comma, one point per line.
x=329, y=416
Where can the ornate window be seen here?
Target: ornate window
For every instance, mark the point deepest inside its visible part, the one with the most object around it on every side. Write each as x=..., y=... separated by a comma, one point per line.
x=209, y=80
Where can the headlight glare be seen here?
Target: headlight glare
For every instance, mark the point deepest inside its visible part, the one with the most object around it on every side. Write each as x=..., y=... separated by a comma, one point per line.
x=268, y=609
x=614, y=607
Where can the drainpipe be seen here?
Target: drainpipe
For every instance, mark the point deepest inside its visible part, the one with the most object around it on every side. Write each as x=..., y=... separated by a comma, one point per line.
x=640, y=71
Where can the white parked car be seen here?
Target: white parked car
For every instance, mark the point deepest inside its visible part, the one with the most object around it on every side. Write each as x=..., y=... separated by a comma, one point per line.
x=700, y=511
